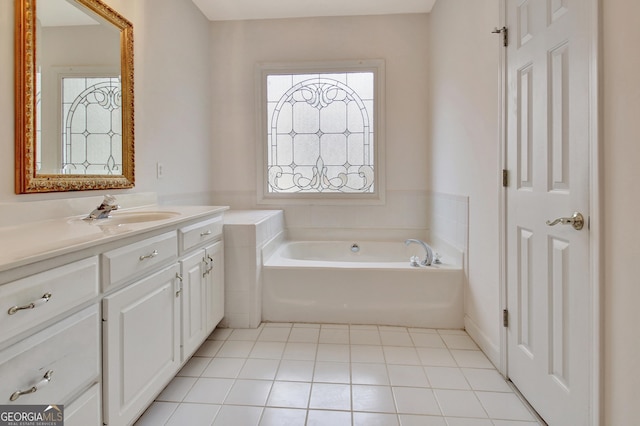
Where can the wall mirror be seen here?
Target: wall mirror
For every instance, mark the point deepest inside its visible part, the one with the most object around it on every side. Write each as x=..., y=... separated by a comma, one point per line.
x=74, y=97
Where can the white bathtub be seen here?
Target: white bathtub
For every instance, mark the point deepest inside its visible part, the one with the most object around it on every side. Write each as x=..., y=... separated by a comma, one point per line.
x=327, y=282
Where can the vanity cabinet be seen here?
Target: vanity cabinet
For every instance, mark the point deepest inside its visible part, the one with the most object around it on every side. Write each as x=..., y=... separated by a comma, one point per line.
x=103, y=327
x=50, y=335
x=202, y=288
x=141, y=337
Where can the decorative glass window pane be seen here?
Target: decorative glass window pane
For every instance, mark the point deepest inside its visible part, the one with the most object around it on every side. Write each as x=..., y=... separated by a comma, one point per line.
x=320, y=133
x=91, y=125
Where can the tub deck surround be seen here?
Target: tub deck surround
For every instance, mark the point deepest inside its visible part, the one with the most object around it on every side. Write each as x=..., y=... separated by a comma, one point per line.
x=246, y=234
x=27, y=243
x=320, y=281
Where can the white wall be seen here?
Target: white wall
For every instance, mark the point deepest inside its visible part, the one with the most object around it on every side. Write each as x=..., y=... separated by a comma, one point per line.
x=621, y=150
x=172, y=104
x=237, y=47
x=465, y=146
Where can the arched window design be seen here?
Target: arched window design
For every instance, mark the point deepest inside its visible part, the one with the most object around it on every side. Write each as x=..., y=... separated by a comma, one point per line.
x=91, y=125
x=320, y=133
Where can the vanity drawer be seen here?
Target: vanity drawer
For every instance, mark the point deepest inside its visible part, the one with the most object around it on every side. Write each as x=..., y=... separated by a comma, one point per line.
x=68, y=349
x=85, y=410
x=66, y=286
x=201, y=232
x=131, y=261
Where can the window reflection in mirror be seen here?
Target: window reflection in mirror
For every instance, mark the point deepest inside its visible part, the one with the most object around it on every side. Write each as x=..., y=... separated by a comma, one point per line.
x=78, y=104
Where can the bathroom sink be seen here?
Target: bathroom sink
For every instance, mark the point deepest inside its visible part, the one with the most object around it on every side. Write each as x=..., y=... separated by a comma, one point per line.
x=120, y=218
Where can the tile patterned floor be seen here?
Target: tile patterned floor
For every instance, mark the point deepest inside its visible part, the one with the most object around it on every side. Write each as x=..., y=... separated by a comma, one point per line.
x=324, y=374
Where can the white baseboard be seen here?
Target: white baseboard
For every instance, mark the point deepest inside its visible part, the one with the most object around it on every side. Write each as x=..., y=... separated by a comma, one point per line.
x=490, y=349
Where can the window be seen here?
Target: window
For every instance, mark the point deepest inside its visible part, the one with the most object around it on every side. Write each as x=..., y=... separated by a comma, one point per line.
x=320, y=136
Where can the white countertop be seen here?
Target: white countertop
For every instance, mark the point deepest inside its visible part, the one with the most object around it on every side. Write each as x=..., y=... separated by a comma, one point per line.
x=35, y=241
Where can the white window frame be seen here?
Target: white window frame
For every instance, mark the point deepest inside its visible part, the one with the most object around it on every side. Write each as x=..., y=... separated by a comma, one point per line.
x=377, y=67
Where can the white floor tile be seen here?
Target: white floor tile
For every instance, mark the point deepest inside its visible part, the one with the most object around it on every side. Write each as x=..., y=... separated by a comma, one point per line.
x=471, y=359
x=458, y=341
x=220, y=334
x=514, y=423
x=459, y=403
x=446, y=378
x=332, y=352
x=369, y=398
x=274, y=334
x=426, y=340
x=401, y=355
x=250, y=334
x=209, y=348
x=364, y=337
x=330, y=396
x=459, y=421
x=295, y=371
x=300, y=351
x=324, y=418
x=235, y=349
x=177, y=389
x=436, y=357
x=193, y=414
x=290, y=374
x=304, y=335
x=209, y=391
x=375, y=419
x=413, y=420
x=194, y=367
x=157, y=414
x=505, y=406
x=396, y=338
x=486, y=380
x=408, y=375
x=416, y=401
x=237, y=416
x=289, y=395
x=267, y=350
x=249, y=392
x=333, y=335
x=367, y=353
x=224, y=368
x=283, y=417
x=259, y=369
x=331, y=372
x=369, y=374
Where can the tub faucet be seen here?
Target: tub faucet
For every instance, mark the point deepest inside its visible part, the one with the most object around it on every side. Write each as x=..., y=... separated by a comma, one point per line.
x=428, y=258
x=104, y=210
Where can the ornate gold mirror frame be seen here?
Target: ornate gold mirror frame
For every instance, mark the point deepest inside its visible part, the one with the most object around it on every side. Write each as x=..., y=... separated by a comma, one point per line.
x=27, y=179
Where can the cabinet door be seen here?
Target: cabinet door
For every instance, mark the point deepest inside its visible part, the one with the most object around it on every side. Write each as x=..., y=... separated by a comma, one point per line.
x=141, y=338
x=193, y=303
x=214, y=276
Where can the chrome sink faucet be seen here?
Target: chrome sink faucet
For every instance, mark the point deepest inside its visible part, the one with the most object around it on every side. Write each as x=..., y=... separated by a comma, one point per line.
x=104, y=210
x=428, y=258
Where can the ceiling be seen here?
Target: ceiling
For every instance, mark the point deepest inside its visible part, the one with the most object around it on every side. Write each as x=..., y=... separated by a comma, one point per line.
x=226, y=10
x=61, y=13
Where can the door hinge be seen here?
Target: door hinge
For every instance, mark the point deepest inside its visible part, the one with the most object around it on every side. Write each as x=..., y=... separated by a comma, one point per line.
x=505, y=318
x=505, y=177
x=505, y=34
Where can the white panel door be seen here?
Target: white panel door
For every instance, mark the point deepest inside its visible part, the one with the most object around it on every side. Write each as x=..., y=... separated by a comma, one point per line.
x=193, y=303
x=141, y=344
x=548, y=281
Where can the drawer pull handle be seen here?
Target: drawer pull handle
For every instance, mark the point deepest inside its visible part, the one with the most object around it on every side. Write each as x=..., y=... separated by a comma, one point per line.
x=205, y=233
x=179, y=277
x=149, y=256
x=44, y=299
x=45, y=380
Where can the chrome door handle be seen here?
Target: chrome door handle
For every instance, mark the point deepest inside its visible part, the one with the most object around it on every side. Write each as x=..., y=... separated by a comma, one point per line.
x=576, y=220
